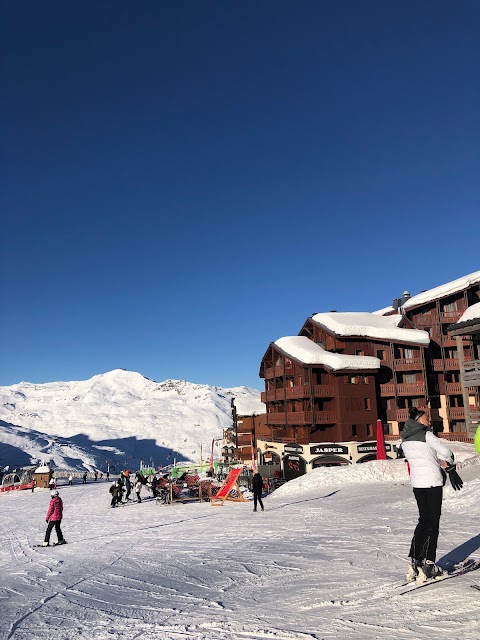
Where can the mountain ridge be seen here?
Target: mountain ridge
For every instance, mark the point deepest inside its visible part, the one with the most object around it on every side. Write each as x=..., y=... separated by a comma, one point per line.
x=118, y=410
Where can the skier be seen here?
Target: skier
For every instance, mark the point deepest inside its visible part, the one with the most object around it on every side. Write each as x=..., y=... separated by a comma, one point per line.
x=138, y=489
x=84, y=478
x=257, y=485
x=128, y=488
x=54, y=519
x=70, y=479
x=421, y=448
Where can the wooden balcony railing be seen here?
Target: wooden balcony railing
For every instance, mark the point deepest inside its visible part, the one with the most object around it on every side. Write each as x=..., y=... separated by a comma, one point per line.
x=408, y=364
x=387, y=389
x=325, y=417
x=451, y=364
x=450, y=316
x=298, y=391
x=293, y=418
x=411, y=388
x=290, y=418
x=456, y=413
x=402, y=414
x=321, y=391
x=453, y=388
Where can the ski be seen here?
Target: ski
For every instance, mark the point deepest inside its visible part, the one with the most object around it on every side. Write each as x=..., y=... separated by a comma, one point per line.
x=463, y=568
x=475, y=586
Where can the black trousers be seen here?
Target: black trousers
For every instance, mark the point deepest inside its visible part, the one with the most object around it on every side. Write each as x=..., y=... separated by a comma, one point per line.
x=58, y=531
x=257, y=495
x=425, y=537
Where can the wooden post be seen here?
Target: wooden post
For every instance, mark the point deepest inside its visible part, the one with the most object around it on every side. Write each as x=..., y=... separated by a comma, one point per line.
x=466, y=401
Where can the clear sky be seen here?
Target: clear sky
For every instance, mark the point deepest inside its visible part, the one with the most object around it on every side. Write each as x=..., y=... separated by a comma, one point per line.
x=185, y=181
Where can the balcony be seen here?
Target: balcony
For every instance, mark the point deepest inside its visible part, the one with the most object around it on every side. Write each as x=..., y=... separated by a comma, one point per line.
x=451, y=364
x=400, y=415
x=325, y=417
x=450, y=316
x=321, y=391
x=453, y=388
x=408, y=364
x=411, y=389
x=300, y=391
x=387, y=390
x=456, y=413
x=290, y=418
x=275, y=372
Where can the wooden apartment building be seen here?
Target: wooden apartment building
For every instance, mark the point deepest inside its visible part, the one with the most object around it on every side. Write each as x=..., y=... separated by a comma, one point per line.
x=344, y=370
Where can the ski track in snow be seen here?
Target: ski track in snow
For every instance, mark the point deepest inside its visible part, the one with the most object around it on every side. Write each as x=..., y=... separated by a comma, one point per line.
x=310, y=567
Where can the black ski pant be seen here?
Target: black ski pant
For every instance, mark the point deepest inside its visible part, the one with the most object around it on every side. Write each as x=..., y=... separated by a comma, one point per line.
x=257, y=495
x=58, y=531
x=425, y=537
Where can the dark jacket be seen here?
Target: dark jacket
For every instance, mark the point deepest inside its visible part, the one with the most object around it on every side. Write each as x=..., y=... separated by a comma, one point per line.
x=257, y=483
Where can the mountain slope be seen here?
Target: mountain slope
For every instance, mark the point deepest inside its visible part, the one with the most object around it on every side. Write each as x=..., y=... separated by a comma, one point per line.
x=119, y=416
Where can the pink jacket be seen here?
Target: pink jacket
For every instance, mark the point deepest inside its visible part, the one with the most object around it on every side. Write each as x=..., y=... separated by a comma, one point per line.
x=55, y=509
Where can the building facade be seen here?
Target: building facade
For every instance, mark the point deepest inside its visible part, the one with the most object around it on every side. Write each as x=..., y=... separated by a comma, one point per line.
x=331, y=383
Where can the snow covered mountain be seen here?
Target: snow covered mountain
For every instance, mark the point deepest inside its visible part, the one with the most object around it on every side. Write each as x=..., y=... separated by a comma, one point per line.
x=121, y=417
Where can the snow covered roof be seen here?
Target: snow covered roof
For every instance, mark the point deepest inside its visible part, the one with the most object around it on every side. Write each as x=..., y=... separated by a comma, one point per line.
x=382, y=312
x=308, y=352
x=250, y=406
x=370, y=325
x=472, y=313
x=443, y=290
x=42, y=469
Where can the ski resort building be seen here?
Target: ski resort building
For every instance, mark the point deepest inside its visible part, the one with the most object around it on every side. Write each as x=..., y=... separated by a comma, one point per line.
x=328, y=385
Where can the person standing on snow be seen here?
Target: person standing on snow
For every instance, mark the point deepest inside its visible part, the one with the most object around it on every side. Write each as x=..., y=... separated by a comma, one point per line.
x=421, y=449
x=70, y=479
x=128, y=488
x=54, y=519
x=257, y=486
x=138, y=489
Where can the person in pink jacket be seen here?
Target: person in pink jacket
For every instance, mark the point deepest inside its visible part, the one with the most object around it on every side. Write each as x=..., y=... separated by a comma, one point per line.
x=54, y=518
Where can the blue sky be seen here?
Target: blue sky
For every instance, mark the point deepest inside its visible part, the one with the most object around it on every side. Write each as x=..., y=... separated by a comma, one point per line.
x=184, y=182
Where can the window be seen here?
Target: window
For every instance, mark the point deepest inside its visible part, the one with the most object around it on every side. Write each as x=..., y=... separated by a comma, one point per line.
x=359, y=352
x=409, y=378
x=381, y=354
x=366, y=380
x=408, y=354
x=369, y=430
x=367, y=403
x=451, y=307
x=354, y=430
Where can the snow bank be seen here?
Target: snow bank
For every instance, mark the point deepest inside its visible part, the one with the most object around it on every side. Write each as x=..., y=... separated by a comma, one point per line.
x=392, y=471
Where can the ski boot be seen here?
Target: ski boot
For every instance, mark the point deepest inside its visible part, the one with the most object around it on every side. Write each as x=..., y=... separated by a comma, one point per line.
x=428, y=570
x=412, y=570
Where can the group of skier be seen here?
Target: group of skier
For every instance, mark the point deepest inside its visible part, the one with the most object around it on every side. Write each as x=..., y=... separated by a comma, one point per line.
x=430, y=462
x=123, y=485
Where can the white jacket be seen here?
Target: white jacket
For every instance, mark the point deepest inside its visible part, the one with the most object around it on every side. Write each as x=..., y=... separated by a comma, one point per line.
x=422, y=454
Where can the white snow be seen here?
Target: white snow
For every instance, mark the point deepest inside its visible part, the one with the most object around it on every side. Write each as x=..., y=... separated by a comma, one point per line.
x=308, y=352
x=371, y=325
x=443, y=290
x=120, y=415
x=472, y=313
x=324, y=561
x=250, y=406
x=382, y=312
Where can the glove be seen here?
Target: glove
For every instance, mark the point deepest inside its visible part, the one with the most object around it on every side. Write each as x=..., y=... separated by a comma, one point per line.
x=455, y=480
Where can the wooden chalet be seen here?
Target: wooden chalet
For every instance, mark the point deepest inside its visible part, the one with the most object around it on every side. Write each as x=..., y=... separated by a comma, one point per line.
x=316, y=396
x=400, y=380
x=434, y=311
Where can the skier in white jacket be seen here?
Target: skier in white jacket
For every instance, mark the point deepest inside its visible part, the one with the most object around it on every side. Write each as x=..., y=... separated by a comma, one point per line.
x=427, y=473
